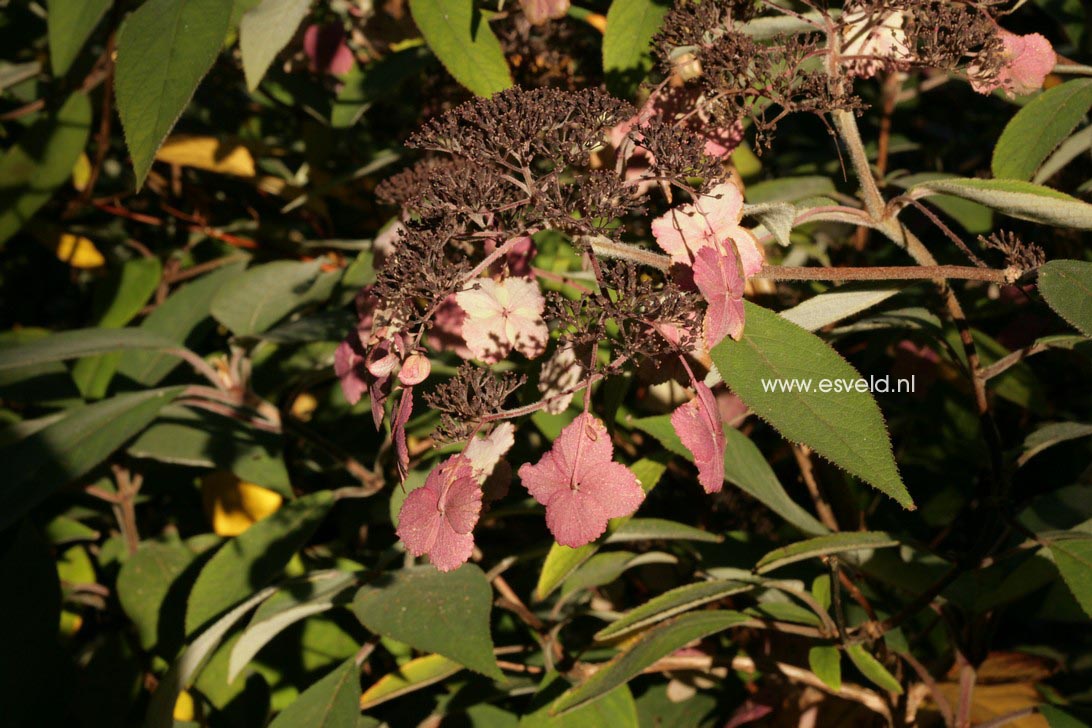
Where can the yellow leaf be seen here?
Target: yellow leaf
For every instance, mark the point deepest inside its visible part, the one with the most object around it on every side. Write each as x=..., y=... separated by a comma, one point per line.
x=303, y=406
x=414, y=675
x=70, y=623
x=81, y=172
x=183, y=707
x=76, y=250
x=207, y=153
x=234, y=505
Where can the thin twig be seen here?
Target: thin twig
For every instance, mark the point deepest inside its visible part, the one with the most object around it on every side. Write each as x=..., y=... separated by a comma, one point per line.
x=882, y=273
x=803, y=459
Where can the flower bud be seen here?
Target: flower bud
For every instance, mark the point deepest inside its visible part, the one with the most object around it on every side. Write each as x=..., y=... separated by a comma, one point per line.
x=415, y=369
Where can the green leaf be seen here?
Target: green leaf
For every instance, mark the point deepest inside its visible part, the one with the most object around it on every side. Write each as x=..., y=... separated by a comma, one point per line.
x=207, y=440
x=1016, y=198
x=1056, y=718
x=670, y=603
x=1051, y=434
x=79, y=342
x=561, y=562
x=295, y=601
x=658, y=642
x=380, y=79
x=606, y=567
x=845, y=427
x=616, y=709
x=1038, y=128
x=252, y=559
x=826, y=663
x=871, y=668
x=1073, y=557
x=834, y=543
x=414, y=675
x=71, y=23
x=838, y=304
x=40, y=162
x=1067, y=287
x=264, y=295
x=626, y=54
x=181, y=674
x=776, y=217
x=463, y=41
x=63, y=530
x=144, y=582
x=164, y=50
x=433, y=611
x=182, y=319
x=129, y=289
x=264, y=31
x=332, y=702
x=658, y=529
x=744, y=466
x=69, y=447
x=788, y=189
x=975, y=218
x=1066, y=152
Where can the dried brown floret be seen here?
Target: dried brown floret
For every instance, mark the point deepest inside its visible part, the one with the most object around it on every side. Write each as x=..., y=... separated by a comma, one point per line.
x=472, y=394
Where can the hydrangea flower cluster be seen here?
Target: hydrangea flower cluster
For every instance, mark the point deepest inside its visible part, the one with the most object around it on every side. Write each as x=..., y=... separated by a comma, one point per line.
x=457, y=276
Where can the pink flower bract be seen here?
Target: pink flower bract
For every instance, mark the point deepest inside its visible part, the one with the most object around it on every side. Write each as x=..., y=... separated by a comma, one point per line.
x=398, y=431
x=699, y=427
x=712, y=221
x=502, y=316
x=486, y=455
x=718, y=278
x=438, y=518
x=580, y=484
x=1030, y=58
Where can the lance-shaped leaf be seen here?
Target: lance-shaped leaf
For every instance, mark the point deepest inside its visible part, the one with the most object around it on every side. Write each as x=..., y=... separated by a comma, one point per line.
x=678, y=600
x=1016, y=198
x=654, y=644
x=70, y=446
x=433, y=611
x=834, y=543
x=40, y=162
x=264, y=31
x=771, y=366
x=332, y=702
x=1067, y=287
x=164, y=50
x=461, y=38
x=1038, y=128
x=252, y=559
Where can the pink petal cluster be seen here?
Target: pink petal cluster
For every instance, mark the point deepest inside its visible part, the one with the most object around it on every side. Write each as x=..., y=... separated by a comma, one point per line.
x=706, y=236
x=721, y=284
x=580, y=484
x=699, y=426
x=539, y=11
x=1029, y=59
x=438, y=518
x=502, y=316
x=873, y=41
